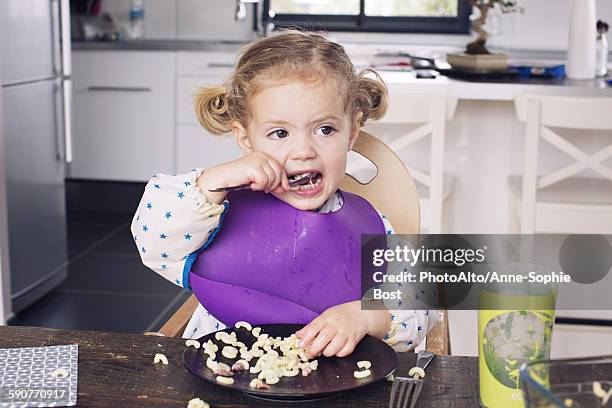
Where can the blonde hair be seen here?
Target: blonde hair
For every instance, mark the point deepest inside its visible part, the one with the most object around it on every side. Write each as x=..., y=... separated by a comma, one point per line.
x=284, y=56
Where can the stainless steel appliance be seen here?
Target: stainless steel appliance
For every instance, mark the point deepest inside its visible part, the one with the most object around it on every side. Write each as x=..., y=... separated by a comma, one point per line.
x=5, y=284
x=36, y=94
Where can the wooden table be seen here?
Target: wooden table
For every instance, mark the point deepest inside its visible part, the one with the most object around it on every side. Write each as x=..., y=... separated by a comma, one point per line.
x=117, y=370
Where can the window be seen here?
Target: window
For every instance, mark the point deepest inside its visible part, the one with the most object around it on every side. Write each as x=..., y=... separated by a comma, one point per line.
x=349, y=7
x=424, y=16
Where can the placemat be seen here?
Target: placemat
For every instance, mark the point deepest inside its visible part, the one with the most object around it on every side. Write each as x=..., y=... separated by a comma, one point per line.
x=29, y=376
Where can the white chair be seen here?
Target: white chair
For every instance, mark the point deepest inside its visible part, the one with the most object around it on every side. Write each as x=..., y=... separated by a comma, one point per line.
x=560, y=202
x=429, y=109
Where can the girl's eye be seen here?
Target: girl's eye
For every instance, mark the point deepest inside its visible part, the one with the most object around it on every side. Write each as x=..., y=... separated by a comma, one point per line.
x=326, y=130
x=278, y=134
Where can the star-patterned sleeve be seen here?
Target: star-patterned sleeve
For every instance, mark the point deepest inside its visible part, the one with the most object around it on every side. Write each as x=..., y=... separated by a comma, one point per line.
x=173, y=221
x=408, y=327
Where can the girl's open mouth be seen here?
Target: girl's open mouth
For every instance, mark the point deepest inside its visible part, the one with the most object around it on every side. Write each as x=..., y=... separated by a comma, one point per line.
x=310, y=187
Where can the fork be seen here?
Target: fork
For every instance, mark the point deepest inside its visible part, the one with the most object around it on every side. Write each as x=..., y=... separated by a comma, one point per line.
x=298, y=182
x=405, y=385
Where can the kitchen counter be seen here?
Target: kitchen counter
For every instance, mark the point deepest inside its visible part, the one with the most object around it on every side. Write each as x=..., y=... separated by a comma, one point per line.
x=480, y=89
x=158, y=45
x=117, y=370
x=496, y=90
x=351, y=48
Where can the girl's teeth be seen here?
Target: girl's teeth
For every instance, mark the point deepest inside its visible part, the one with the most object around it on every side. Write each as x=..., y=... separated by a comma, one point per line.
x=309, y=186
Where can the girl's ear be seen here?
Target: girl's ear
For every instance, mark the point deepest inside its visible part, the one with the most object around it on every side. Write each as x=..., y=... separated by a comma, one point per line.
x=355, y=128
x=241, y=136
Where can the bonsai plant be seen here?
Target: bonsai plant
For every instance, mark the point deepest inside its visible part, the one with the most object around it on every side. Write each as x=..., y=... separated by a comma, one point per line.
x=478, y=46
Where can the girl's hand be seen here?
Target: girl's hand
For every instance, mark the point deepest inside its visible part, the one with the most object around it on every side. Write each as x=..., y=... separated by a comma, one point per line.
x=259, y=170
x=337, y=331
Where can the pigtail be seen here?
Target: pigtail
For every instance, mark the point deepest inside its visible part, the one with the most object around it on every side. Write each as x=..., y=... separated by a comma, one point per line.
x=371, y=96
x=211, y=109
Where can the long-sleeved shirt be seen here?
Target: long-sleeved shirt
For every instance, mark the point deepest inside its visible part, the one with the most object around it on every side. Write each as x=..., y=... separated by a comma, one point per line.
x=174, y=220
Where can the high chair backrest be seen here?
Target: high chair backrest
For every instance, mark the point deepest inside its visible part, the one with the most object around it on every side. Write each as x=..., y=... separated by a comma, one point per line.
x=392, y=191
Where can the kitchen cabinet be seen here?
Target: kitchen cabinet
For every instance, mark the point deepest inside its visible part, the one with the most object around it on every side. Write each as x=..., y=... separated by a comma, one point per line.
x=205, y=62
x=124, y=114
x=135, y=115
x=195, y=147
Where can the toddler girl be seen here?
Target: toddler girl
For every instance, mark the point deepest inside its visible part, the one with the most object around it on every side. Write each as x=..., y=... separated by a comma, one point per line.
x=279, y=252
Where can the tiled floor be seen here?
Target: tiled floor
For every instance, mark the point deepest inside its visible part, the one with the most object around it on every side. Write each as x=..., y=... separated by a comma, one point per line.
x=108, y=288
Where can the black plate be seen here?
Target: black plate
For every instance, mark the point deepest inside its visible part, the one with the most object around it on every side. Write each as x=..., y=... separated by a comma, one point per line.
x=333, y=375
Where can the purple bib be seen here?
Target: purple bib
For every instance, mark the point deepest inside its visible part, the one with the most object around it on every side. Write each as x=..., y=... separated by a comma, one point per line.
x=273, y=263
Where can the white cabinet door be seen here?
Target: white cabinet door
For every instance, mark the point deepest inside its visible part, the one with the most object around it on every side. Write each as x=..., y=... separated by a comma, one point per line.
x=195, y=70
x=198, y=148
x=195, y=147
x=463, y=332
x=205, y=62
x=571, y=341
x=123, y=114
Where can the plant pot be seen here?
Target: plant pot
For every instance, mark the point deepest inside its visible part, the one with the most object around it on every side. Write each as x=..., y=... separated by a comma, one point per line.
x=488, y=62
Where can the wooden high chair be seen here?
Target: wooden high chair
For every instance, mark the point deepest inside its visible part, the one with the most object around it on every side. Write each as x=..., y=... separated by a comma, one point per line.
x=393, y=193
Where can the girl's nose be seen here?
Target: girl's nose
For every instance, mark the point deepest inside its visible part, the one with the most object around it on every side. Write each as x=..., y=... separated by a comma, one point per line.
x=302, y=148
